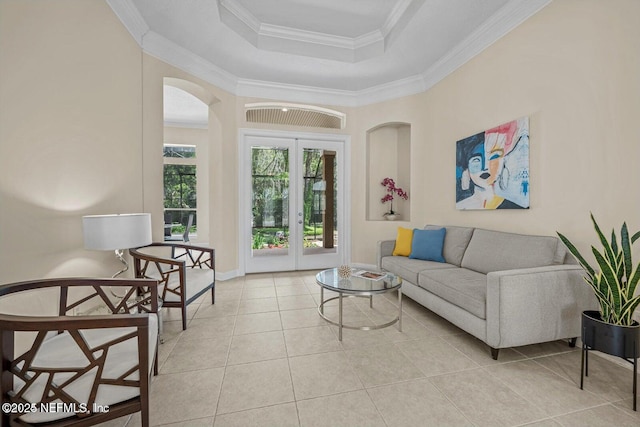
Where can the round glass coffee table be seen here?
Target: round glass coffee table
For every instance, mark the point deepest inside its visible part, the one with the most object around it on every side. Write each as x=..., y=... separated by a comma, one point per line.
x=358, y=285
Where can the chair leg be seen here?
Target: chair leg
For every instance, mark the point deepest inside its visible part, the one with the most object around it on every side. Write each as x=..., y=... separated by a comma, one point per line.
x=184, y=317
x=155, y=363
x=494, y=353
x=213, y=294
x=144, y=413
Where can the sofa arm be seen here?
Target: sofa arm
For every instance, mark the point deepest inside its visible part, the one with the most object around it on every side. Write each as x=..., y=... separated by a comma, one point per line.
x=384, y=248
x=533, y=305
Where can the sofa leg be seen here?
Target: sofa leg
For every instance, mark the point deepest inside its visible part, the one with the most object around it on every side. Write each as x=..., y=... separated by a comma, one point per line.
x=572, y=341
x=494, y=353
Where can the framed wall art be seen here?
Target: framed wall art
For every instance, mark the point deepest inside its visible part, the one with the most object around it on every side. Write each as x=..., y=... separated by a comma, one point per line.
x=492, y=168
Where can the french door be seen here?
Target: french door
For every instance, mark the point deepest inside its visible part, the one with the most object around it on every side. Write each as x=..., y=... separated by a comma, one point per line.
x=292, y=201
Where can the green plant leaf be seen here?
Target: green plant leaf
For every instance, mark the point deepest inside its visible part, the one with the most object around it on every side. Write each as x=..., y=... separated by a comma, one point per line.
x=627, y=310
x=574, y=251
x=608, y=251
x=614, y=241
x=632, y=282
x=626, y=250
x=609, y=276
x=615, y=279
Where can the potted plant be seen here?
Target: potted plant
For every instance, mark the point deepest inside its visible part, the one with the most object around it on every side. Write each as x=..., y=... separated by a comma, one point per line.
x=612, y=329
x=391, y=188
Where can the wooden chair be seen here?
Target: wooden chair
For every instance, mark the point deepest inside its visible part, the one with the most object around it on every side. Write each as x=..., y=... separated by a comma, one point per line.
x=80, y=370
x=184, y=272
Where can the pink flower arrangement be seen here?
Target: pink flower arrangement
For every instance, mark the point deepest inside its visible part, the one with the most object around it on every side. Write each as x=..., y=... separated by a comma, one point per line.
x=391, y=190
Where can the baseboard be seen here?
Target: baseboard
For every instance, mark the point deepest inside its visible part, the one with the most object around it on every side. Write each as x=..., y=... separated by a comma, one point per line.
x=227, y=275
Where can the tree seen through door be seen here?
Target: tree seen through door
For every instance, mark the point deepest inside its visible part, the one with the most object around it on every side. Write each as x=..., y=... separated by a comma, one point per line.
x=270, y=200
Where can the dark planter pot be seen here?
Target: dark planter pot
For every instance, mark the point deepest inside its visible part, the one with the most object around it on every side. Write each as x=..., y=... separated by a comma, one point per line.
x=616, y=340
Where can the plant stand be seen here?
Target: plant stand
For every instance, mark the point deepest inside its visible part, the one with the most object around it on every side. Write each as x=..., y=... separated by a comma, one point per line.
x=615, y=340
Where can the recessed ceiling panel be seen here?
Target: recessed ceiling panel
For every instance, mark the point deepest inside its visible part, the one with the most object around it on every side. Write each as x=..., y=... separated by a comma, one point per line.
x=321, y=51
x=351, y=18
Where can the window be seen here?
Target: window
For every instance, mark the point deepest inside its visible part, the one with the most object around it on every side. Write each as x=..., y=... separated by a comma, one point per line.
x=180, y=197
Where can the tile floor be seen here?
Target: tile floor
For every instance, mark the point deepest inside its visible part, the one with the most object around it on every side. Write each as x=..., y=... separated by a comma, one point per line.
x=262, y=356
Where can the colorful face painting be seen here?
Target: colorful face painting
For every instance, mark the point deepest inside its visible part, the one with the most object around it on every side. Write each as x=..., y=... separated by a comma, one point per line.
x=492, y=168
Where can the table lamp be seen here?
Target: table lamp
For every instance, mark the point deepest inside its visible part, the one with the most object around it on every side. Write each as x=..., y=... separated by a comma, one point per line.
x=116, y=233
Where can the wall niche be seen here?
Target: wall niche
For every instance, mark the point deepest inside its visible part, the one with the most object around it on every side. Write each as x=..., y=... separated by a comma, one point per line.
x=388, y=155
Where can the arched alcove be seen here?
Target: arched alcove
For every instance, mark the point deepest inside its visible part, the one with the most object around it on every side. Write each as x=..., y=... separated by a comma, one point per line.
x=186, y=145
x=388, y=156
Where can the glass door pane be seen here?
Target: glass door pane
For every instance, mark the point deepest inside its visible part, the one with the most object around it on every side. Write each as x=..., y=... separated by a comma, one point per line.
x=269, y=201
x=291, y=213
x=319, y=235
x=319, y=194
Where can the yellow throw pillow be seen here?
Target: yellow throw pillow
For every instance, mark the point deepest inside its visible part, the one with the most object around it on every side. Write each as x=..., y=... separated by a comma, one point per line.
x=403, y=242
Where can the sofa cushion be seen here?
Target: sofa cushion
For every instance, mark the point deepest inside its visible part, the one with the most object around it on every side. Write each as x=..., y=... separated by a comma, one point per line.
x=403, y=242
x=427, y=245
x=456, y=240
x=497, y=251
x=465, y=288
x=408, y=268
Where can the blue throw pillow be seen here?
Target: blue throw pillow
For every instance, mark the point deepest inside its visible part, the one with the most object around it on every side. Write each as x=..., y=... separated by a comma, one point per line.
x=427, y=244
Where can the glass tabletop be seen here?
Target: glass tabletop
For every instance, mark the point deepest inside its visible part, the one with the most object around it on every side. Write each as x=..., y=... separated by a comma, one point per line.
x=357, y=284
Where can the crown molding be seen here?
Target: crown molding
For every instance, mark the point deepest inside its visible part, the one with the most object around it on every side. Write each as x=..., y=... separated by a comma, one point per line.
x=166, y=50
x=507, y=18
x=296, y=93
x=311, y=43
x=130, y=17
x=241, y=13
x=312, y=37
x=395, y=89
x=498, y=25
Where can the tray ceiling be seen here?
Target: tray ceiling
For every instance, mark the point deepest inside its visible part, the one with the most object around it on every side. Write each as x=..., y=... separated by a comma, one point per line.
x=339, y=52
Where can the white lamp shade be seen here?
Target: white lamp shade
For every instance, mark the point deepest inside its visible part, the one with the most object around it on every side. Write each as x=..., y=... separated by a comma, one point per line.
x=121, y=231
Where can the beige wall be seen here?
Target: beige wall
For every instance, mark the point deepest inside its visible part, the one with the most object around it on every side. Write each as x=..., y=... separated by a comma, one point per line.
x=81, y=126
x=573, y=69
x=70, y=134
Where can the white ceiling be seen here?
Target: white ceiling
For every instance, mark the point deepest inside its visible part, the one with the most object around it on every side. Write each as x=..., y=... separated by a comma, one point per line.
x=340, y=52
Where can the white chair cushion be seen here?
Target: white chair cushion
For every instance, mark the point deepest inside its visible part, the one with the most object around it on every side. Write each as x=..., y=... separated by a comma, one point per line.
x=61, y=351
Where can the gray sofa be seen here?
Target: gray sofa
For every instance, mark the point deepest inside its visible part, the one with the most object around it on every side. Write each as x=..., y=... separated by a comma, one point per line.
x=506, y=289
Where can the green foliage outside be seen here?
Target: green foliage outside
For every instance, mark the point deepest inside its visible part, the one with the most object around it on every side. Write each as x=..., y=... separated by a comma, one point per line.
x=180, y=186
x=270, y=187
x=269, y=236
x=180, y=193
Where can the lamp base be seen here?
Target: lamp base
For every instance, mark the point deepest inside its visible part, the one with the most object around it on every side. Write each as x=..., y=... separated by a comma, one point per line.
x=120, y=255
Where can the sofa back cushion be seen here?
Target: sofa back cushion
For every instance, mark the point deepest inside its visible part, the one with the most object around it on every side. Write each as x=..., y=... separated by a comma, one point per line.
x=456, y=240
x=428, y=244
x=403, y=242
x=496, y=251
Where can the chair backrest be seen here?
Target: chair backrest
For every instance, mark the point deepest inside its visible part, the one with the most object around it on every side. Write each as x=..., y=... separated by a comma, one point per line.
x=185, y=236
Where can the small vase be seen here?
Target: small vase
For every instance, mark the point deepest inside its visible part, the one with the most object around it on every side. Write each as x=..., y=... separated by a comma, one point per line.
x=391, y=217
